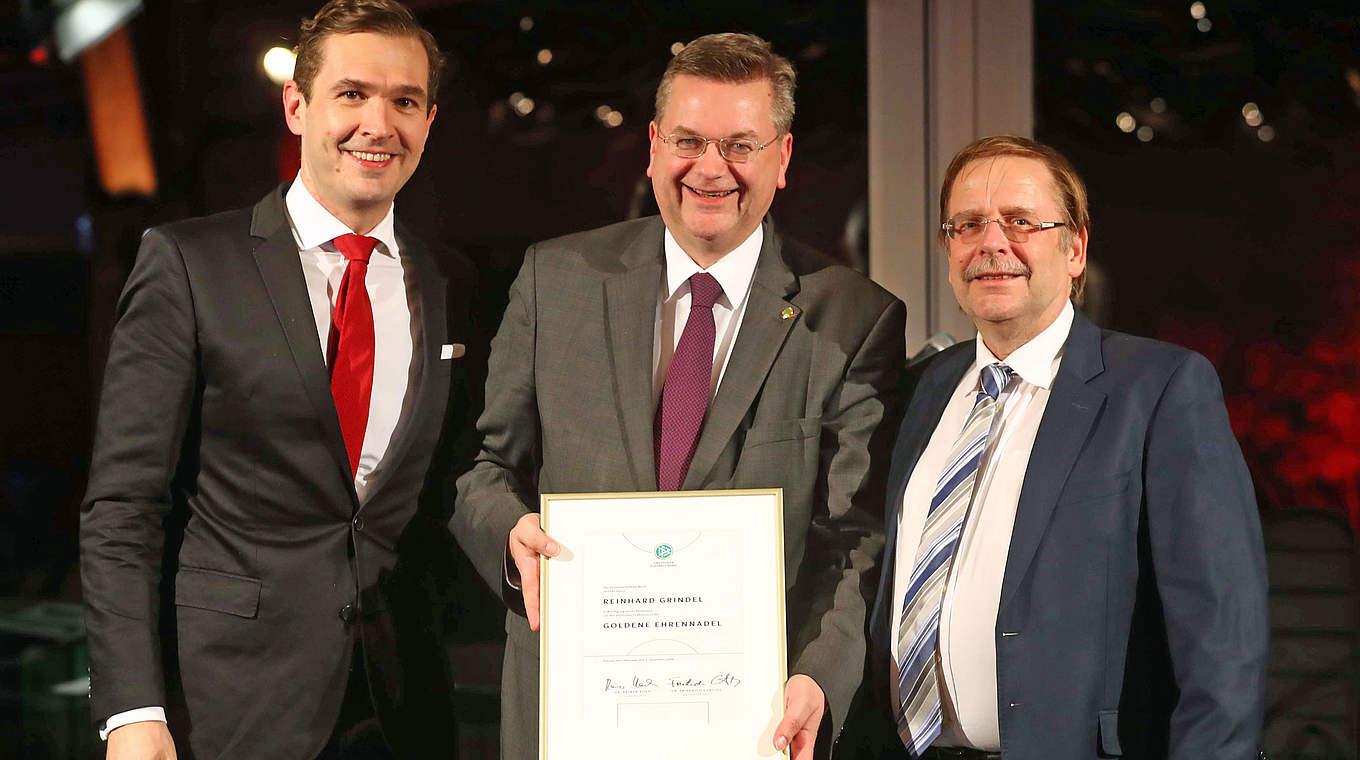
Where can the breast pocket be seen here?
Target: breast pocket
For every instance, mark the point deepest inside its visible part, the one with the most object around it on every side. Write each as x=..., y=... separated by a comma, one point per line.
x=1084, y=490
x=780, y=454
x=783, y=430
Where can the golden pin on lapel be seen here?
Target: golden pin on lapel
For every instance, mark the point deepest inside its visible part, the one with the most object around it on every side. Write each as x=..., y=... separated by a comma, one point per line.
x=788, y=313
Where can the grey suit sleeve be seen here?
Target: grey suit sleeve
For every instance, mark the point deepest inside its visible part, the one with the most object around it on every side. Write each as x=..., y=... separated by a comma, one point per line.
x=845, y=538
x=502, y=484
x=1209, y=562
x=144, y=410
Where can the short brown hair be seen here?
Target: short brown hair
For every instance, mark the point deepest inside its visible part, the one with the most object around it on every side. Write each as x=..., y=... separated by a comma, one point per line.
x=354, y=16
x=1071, y=190
x=735, y=58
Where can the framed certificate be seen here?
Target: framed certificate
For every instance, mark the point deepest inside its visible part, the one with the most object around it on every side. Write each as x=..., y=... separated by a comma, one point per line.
x=662, y=625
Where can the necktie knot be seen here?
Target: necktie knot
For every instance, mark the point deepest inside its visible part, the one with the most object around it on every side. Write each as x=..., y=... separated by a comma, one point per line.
x=994, y=379
x=356, y=247
x=703, y=290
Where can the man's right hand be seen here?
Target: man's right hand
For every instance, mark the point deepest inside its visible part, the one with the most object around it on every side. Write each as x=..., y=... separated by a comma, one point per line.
x=527, y=542
x=147, y=740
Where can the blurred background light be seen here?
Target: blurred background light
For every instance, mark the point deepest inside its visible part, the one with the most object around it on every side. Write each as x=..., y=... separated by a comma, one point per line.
x=84, y=22
x=278, y=64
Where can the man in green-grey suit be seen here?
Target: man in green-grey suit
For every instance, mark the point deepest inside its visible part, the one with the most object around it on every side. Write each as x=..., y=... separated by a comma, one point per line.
x=591, y=389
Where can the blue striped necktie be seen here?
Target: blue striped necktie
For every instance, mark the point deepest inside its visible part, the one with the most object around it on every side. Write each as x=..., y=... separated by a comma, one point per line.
x=919, y=712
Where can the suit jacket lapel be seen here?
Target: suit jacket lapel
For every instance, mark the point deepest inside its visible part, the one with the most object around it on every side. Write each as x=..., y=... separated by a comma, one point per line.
x=431, y=286
x=630, y=308
x=1072, y=409
x=923, y=415
x=276, y=255
x=762, y=333
x=927, y=405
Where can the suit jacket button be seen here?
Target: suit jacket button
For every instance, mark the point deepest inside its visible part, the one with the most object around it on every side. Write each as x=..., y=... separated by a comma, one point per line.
x=358, y=523
x=348, y=613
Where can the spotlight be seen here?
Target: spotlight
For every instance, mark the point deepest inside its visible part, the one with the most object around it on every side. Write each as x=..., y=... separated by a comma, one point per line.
x=82, y=23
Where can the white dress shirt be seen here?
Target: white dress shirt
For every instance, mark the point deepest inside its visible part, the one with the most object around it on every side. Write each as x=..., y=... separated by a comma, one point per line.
x=973, y=590
x=734, y=272
x=395, y=332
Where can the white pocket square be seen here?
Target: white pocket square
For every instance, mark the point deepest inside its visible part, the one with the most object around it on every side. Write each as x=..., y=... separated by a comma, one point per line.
x=452, y=351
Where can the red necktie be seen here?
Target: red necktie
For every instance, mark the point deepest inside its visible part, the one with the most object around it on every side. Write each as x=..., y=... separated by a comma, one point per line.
x=351, y=345
x=684, y=397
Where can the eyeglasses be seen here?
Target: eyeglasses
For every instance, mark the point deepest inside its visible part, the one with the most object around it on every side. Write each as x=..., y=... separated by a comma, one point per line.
x=736, y=150
x=1017, y=229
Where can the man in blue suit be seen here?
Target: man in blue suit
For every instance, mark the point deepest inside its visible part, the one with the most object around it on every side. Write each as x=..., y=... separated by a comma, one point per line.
x=1074, y=566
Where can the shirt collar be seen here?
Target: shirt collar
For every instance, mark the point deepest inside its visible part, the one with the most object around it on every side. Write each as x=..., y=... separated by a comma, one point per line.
x=1036, y=362
x=314, y=226
x=733, y=271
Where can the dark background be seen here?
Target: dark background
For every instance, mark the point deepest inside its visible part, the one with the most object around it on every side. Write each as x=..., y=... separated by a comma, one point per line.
x=1205, y=234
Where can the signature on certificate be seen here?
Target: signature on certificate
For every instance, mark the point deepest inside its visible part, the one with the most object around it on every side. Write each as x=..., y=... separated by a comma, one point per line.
x=640, y=683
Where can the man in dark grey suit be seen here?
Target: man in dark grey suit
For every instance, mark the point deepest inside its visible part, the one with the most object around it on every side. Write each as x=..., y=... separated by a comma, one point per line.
x=1074, y=567
x=803, y=352
x=252, y=551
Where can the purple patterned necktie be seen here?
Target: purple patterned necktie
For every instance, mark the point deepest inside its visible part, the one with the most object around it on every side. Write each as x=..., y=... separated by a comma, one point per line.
x=684, y=397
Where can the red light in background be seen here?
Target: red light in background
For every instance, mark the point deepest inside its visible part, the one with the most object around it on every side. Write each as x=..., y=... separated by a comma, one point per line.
x=39, y=56
x=289, y=155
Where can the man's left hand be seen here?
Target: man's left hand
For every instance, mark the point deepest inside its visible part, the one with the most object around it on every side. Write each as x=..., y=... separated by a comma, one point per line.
x=804, y=704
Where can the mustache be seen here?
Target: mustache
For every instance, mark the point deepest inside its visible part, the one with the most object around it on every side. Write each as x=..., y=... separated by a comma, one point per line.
x=995, y=265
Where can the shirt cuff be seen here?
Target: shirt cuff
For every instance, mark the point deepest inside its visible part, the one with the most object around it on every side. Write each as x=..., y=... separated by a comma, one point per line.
x=139, y=715
x=510, y=572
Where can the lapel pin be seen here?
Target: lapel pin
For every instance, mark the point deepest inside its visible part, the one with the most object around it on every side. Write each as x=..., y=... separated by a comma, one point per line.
x=788, y=313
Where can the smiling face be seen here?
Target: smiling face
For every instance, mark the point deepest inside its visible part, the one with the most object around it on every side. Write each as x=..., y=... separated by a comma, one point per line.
x=708, y=203
x=363, y=125
x=1012, y=291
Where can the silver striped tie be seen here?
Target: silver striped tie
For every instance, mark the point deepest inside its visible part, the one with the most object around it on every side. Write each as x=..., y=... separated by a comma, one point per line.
x=919, y=713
